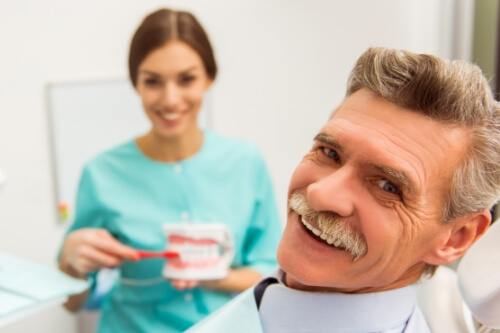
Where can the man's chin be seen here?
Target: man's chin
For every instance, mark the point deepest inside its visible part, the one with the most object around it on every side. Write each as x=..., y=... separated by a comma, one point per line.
x=296, y=275
x=303, y=276
x=296, y=283
x=301, y=281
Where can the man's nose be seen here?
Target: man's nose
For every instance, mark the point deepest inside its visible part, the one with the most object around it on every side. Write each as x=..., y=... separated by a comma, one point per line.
x=333, y=192
x=171, y=95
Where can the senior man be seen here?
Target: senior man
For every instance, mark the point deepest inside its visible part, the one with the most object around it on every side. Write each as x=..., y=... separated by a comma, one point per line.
x=398, y=181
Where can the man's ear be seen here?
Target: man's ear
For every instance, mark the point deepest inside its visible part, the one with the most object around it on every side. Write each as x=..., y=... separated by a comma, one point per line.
x=464, y=231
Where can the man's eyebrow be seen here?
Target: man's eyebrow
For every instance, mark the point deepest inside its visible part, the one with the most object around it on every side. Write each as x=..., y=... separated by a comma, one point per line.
x=398, y=176
x=328, y=140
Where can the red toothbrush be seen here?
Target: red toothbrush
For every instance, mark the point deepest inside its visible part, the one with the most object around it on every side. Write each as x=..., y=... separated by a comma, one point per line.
x=157, y=254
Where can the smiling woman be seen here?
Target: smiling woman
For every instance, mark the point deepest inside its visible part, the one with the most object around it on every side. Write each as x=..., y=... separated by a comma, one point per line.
x=173, y=173
x=171, y=83
x=171, y=65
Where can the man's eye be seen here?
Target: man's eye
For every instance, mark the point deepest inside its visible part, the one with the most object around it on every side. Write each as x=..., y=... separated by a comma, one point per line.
x=388, y=186
x=331, y=153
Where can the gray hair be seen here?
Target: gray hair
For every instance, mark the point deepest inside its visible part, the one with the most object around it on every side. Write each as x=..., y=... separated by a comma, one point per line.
x=454, y=92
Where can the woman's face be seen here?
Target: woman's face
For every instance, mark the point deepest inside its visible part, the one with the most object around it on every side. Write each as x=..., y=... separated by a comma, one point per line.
x=171, y=82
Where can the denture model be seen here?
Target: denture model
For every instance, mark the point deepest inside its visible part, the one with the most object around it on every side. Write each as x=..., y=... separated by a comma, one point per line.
x=200, y=258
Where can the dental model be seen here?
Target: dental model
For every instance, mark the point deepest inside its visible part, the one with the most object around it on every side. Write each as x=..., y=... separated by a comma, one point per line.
x=199, y=258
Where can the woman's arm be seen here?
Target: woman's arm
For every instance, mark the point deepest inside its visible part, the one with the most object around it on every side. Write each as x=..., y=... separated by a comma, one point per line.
x=76, y=302
x=87, y=250
x=237, y=280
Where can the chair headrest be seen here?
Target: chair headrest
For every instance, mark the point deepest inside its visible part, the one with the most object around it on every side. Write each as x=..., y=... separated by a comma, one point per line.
x=479, y=277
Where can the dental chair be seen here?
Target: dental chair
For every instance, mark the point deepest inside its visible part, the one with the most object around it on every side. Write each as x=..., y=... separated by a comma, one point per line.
x=466, y=300
x=442, y=304
x=479, y=280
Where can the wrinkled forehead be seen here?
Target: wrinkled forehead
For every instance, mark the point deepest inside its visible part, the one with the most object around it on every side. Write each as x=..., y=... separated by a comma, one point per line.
x=379, y=132
x=368, y=110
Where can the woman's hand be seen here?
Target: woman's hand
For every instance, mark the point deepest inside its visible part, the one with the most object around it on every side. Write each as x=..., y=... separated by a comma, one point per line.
x=236, y=280
x=184, y=284
x=87, y=250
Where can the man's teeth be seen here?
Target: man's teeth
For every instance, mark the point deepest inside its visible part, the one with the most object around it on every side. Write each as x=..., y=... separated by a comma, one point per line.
x=330, y=239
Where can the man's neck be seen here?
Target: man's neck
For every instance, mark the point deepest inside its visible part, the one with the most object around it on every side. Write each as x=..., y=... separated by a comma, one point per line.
x=410, y=277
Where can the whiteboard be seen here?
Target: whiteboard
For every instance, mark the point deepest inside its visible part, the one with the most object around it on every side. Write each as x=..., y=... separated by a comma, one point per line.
x=86, y=118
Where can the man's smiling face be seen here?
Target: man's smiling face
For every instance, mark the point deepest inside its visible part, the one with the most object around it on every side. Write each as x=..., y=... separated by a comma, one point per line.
x=381, y=172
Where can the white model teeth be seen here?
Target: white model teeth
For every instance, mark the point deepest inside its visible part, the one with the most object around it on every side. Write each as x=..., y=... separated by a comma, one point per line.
x=196, y=254
x=170, y=116
x=329, y=239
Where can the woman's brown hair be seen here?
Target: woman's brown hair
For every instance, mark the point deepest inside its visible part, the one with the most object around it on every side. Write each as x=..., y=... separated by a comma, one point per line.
x=162, y=26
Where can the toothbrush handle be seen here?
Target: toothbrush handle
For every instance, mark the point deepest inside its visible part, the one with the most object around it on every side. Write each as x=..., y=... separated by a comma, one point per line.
x=160, y=254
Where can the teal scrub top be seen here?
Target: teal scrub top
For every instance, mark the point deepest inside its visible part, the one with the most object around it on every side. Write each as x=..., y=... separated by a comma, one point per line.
x=133, y=196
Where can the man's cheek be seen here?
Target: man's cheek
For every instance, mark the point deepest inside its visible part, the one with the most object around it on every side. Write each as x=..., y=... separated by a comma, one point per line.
x=409, y=223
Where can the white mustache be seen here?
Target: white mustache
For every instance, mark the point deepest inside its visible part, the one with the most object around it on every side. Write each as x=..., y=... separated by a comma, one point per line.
x=331, y=224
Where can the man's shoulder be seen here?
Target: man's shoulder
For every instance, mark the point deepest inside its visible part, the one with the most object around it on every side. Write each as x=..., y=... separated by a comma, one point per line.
x=239, y=315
